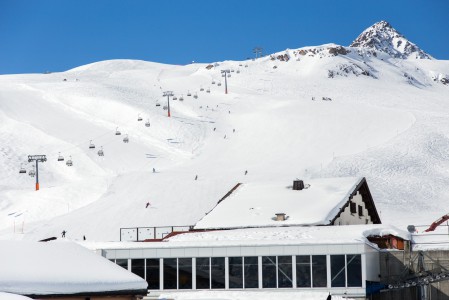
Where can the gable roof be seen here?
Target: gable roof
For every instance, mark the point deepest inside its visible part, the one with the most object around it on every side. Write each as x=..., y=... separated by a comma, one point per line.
x=255, y=204
x=62, y=268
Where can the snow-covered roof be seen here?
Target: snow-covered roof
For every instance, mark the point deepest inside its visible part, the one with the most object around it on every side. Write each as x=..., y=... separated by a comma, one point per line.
x=297, y=235
x=60, y=268
x=255, y=204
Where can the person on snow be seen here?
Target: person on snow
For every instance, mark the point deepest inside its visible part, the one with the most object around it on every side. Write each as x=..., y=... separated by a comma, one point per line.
x=148, y=204
x=63, y=233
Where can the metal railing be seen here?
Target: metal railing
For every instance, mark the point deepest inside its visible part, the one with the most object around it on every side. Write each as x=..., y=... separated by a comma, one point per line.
x=135, y=234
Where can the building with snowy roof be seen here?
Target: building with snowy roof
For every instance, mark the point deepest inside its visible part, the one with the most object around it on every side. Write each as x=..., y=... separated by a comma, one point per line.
x=62, y=270
x=323, y=201
x=339, y=260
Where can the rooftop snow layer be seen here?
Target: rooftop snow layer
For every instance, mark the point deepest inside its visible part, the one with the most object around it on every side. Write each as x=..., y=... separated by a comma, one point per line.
x=37, y=268
x=255, y=204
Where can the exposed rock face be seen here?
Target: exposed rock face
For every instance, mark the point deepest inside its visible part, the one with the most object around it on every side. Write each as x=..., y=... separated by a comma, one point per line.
x=382, y=37
x=338, y=50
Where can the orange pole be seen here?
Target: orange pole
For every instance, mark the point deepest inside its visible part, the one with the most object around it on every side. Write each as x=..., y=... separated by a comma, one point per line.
x=37, y=186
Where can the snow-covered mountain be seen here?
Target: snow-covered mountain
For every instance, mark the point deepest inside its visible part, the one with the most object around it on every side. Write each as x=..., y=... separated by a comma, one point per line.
x=322, y=111
x=382, y=37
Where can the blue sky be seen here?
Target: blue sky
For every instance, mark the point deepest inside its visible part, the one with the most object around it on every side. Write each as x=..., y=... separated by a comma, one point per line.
x=57, y=35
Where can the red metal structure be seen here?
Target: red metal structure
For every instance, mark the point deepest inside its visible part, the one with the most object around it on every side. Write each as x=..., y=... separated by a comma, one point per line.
x=437, y=223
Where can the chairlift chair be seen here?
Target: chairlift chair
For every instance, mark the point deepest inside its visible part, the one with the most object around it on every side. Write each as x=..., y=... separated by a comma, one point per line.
x=195, y=96
x=100, y=152
x=91, y=145
x=175, y=98
x=139, y=118
x=60, y=157
x=246, y=66
x=165, y=107
x=238, y=71
x=232, y=70
x=208, y=90
x=22, y=170
x=229, y=74
x=32, y=173
x=126, y=139
x=181, y=98
x=158, y=104
x=213, y=81
x=189, y=94
x=147, y=123
x=117, y=132
x=201, y=89
x=69, y=162
x=219, y=83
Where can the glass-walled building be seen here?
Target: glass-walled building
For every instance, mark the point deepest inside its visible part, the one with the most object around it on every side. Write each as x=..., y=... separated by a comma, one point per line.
x=339, y=265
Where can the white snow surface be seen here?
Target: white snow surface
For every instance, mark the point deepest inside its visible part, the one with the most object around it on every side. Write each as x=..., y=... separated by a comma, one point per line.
x=391, y=128
x=9, y=296
x=255, y=204
x=60, y=268
x=250, y=295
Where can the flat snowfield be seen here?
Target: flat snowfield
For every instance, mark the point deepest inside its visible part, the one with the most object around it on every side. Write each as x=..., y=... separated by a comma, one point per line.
x=273, y=123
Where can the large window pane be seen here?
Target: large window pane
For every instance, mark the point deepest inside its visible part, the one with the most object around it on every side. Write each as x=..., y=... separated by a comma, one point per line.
x=285, y=272
x=251, y=272
x=122, y=263
x=303, y=271
x=269, y=271
x=170, y=273
x=338, y=270
x=138, y=267
x=185, y=273
x=354, y=265
x=235, y=272
x=153, y=273
x=218, y=272
x=319, y=270
x=202, y=273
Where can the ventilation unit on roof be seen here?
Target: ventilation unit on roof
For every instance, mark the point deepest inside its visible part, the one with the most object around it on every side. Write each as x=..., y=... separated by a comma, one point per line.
x=280, y=217
x=298, y=185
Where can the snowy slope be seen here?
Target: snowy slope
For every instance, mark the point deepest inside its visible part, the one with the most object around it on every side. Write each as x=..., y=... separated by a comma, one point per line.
x=387, y=121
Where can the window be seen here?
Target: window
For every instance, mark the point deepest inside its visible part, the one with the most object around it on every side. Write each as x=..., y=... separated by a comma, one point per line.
x=360, y=211
x=217, y=270
x=170, y=273
x=184, y=273
x=319, y=271
x=138, y=267
x=251, y=272
x=152, y=270
x=203, y=273
x=353, y=207
x=235, y=272
x=269, y=272
x=354, y=265
x=338, y=270
x=122, y=263
x=285, y=276
x=303, y=271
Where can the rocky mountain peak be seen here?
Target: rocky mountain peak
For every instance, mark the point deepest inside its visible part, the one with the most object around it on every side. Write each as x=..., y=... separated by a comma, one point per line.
x=383, y=37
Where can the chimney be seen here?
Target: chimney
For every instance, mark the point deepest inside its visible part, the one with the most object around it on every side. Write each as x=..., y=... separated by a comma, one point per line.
x=280, y=217
x=298, y=185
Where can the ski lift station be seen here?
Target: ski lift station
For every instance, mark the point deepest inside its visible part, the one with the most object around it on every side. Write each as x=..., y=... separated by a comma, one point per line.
x=319, y=236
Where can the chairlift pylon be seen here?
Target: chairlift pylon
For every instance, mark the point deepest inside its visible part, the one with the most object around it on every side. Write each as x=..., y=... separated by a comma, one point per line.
x=147, y=123
x=91, y=145
x=117, y=132
x=100, y=152
x=69, y=162
x=126, y=139
x=60, y=157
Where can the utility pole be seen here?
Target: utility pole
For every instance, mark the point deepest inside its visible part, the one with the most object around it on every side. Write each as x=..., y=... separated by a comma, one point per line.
x=258, y=51
x=224, y=72
x=168, y=94
x=37, y=159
